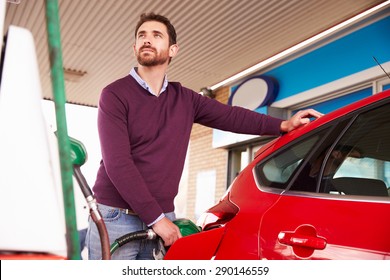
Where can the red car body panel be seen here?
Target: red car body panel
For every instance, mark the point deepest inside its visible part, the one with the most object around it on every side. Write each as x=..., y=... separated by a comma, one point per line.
x=279, y=224
x=187, y=248
x=332, y=222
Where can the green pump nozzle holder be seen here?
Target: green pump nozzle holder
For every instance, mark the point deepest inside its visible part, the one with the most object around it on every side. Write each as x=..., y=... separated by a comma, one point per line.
x=78, y=152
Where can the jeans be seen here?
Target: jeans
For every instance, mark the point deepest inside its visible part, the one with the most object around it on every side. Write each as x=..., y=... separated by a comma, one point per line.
x=118, y=224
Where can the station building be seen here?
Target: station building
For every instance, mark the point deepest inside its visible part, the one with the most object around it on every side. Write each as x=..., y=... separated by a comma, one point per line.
x=326, y=74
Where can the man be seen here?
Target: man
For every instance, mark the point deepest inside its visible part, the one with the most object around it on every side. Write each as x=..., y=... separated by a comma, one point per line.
x=144, y=125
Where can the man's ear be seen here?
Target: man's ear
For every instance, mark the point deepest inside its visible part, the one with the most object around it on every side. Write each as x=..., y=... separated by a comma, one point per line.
x=173, y=50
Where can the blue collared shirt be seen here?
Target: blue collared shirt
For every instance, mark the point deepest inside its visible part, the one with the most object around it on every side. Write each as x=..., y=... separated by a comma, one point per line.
x=145, y=85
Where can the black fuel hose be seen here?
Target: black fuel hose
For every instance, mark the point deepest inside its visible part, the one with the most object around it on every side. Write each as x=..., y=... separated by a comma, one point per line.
x=83, y=184
x=137, y=235
x=79, y=156
x=94, y=212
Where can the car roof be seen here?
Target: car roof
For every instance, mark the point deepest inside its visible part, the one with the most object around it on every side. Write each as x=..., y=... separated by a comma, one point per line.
x=343, y=111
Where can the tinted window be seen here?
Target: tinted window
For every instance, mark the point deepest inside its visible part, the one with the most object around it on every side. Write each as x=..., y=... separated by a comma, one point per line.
x=359, y=164
x=276, y=171
x=309, y=175
x=345, y=159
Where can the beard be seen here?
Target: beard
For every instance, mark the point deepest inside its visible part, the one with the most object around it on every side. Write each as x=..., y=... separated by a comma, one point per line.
x=152, y=59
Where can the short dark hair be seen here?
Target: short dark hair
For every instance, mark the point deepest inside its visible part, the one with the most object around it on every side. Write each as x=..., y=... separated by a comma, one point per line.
x=155, y=17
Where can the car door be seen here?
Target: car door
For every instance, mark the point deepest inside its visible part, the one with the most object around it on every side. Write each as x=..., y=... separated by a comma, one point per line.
x=299, y=227
x=336, y=204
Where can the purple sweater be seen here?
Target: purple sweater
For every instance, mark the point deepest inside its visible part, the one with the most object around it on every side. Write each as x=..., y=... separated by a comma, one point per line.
x=144, y=141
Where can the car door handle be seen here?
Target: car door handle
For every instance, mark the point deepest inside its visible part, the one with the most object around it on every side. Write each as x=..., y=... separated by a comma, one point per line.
x=303, y=236
x=292, y=239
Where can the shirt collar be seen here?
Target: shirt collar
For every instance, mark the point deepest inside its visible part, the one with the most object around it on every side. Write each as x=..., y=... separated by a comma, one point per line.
x=144, y=84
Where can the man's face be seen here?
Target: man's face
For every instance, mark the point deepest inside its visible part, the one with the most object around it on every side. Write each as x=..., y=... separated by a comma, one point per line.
x=152, y=44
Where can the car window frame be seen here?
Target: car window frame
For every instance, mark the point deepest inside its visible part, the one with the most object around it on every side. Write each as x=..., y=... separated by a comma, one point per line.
x=349, y=118
x=294, y=142
x=357, y=114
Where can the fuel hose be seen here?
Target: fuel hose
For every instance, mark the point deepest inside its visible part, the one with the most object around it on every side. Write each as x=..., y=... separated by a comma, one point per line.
x=148, y=234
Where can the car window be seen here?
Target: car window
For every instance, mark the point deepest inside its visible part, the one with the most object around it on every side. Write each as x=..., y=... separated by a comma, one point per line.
x=346, y=158
x=308, y=177
x=359, y=164
x=366, y=168
x=277, y=170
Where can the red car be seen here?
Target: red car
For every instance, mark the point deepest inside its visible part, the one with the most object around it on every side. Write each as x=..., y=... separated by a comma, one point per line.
x=319, y=192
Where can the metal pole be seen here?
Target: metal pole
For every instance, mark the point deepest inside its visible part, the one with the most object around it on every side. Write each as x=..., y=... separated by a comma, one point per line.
x=58, y=85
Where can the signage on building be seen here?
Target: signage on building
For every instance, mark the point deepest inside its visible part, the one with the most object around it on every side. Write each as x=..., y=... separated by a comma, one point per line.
x=254, y=92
